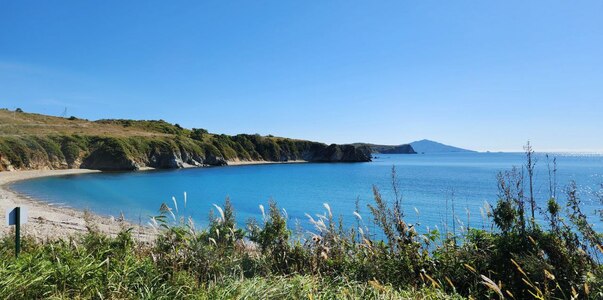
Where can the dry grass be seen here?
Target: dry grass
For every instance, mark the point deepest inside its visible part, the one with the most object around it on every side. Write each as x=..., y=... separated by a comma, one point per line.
x=17, y=124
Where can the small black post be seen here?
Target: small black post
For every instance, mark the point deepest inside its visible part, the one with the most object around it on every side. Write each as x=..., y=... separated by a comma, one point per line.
x=17, y=231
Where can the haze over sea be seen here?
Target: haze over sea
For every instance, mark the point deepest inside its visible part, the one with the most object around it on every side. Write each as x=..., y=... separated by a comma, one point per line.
x=428, y=182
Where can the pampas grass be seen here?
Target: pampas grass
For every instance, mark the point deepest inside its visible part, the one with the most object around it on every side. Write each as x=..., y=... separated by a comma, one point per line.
x=221, y=212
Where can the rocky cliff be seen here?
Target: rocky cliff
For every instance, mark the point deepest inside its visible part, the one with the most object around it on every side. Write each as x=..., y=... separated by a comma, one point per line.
x=132, y=153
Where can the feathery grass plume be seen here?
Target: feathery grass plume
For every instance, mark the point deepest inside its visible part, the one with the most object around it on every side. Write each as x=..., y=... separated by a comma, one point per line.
x=328, y=208
x=185, y=200
x=492, y=286
x=311, y=220
x=151, y=225
x=518, y=268
x=263, y=213
x=319, y=223
x=434, y=283
x=285, y=214
x=358, y=215
x=221, y=212
x=191, y=225
x=450, y=283
x=549, y=275
x=164, y=208
x=470, y=268
x=155, y=224
x=483, y=215
x=175, y=203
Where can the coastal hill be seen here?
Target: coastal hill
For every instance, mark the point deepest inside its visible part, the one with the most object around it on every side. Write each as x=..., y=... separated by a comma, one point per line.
x=427, y=146
x=35, y=141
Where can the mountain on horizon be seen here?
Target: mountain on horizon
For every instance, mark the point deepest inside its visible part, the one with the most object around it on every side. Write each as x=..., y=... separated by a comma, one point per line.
x=428, y=146
x=422, y=146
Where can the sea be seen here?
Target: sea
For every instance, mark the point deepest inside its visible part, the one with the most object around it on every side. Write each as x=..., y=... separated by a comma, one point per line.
x=436, y=190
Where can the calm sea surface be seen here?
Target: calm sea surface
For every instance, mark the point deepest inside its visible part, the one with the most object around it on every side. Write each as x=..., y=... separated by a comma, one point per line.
x=428, y=182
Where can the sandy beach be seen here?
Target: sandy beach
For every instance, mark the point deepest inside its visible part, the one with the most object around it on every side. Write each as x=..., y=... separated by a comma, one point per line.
x=47, y=221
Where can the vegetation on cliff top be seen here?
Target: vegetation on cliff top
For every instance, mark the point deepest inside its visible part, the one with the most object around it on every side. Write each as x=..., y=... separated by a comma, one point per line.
x=31, y=141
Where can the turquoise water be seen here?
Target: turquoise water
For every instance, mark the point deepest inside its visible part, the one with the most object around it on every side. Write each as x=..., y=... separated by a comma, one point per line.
x=427, y=181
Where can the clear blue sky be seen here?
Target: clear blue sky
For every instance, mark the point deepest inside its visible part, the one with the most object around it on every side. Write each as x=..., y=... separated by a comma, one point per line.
x=486, y=75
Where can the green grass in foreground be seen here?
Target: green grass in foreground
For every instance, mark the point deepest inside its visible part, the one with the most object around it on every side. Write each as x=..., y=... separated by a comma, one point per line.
x=95, y=266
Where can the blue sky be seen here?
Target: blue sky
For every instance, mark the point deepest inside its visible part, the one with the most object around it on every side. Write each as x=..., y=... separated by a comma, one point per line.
x=486, y=75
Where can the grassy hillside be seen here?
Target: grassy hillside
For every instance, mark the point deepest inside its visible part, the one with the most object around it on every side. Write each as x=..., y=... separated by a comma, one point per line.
x=33, y=141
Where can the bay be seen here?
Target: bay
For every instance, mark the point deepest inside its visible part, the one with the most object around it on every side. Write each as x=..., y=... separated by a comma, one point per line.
x=430, y=185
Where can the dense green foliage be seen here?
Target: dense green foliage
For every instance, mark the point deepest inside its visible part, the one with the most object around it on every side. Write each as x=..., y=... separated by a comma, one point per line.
x=94, y=266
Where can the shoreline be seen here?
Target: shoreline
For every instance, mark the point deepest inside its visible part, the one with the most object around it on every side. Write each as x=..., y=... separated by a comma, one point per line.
x=47, y=221
x=262, y=162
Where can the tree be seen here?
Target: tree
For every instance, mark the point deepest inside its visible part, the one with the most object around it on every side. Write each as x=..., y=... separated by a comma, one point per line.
x=19, y=110
x=198, y=134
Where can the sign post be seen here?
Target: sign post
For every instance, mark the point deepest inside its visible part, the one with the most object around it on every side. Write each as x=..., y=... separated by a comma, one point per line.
x=17, y=231
x=17, y=216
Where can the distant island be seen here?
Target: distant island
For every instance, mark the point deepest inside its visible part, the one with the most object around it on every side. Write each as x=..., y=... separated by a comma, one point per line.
x=35, y=141
x=422, y=146
x=427, y=146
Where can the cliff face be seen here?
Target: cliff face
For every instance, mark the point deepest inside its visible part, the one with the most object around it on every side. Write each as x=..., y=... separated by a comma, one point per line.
x=341, y=153
x=132, y=153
